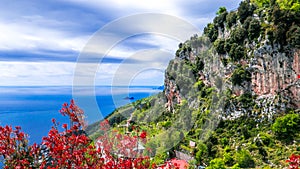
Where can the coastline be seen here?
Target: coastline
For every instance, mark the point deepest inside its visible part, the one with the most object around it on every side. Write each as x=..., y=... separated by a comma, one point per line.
x=33, y=107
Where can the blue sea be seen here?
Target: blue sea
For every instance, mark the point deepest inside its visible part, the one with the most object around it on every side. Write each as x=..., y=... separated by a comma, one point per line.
x=33, y=107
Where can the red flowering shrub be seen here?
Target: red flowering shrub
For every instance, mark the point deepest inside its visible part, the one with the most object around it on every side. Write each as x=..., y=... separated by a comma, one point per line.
x=72, y=148
x=143, y=135
x=75, y=114
x=121, y=145
x=294, y=161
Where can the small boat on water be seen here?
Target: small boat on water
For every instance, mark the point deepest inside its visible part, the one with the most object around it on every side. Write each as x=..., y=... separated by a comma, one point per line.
x=129, y=98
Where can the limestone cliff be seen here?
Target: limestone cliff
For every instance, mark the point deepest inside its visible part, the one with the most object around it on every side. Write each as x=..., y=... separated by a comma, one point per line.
x=234, y=92
x=247, y=56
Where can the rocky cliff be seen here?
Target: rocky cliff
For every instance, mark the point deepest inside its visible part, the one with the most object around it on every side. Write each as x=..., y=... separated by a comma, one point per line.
x=273, y=77
x=233, y=92
x=247, y=57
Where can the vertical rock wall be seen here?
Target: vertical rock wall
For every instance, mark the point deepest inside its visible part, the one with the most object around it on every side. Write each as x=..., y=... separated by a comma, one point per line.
x=277, y=73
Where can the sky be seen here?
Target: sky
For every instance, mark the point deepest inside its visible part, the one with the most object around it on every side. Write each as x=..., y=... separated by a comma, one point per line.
x=116, y=42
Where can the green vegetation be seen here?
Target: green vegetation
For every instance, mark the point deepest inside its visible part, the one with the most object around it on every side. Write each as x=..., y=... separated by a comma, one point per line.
x=286, y=127
x=244, y=10
x=245, y=134
x=216, y=163
x=244, y=159
x=278, y=19
x=240, y=75
x=293, y=5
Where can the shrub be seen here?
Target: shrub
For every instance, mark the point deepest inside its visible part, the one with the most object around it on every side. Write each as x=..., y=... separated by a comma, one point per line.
x=219, y=45
x=253, y=29
x=240, y=75
x=220, y=19
x=211, y=31
x=235, y=166
x=231, y=19
x=287, y=126
x=245, y=9
x=228, y=44
x=221, y=10
x=289, y=5
x=294, y=161
x=246, y=99
x=228, y=158
x=262, y=3
x=294, y=36
x=71, y=148
x=202, y=153
x=266, y=139
x=198, y=66
x=238, y=35
x=244, y=159
x=216, y=163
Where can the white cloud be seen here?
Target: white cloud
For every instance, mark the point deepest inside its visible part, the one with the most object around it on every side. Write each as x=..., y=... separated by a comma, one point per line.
x=51, y=28
x=132, y=6
x=132, y=45
x=191, y=10
x=164, y=32
x=143, y=70
x=36, y=73
x=22, y=36
x=62, y=73
x=144, y=67
x=37, y=30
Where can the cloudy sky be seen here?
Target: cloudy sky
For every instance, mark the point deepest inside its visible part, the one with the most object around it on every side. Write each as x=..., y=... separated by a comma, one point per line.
x=54, y=42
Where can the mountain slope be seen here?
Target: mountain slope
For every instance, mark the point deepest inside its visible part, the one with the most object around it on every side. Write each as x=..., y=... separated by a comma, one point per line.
x=234, y=92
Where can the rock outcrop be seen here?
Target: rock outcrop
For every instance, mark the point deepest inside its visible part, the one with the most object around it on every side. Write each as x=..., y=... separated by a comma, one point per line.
x=277, y=73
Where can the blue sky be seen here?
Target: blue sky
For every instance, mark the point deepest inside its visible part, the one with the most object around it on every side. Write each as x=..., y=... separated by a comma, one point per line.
x=40, y=41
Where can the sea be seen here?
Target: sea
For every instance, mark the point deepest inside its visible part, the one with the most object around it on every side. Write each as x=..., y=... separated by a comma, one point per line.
x=33, y=107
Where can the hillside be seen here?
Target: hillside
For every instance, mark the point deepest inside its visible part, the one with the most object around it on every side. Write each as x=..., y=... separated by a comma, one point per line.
x=234, y=92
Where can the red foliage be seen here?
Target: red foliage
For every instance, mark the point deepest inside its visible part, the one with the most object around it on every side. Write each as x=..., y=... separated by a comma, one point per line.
x=75, y=114
x=294, y=161
x=143, y=135
x=72, y=148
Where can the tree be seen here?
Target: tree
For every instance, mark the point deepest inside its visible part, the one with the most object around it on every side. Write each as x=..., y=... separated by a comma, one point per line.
x=211, y=31
x=219, y=46
x=231, y=19
x=220, y=19
x=236, y=52
x=71, y=148
x=287, y=126
x=253, y=29
x=221, y=10
x=245, y=9
x=293, y=5
x=262, y=3
x=238, y=35
x=240, y=75
x=293, y=36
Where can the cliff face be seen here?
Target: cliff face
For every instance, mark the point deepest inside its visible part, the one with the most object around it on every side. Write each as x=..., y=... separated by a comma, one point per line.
x=248, y=51
x=277, y=73
x=272, y=74
x=194, y=63
x=225, y=90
